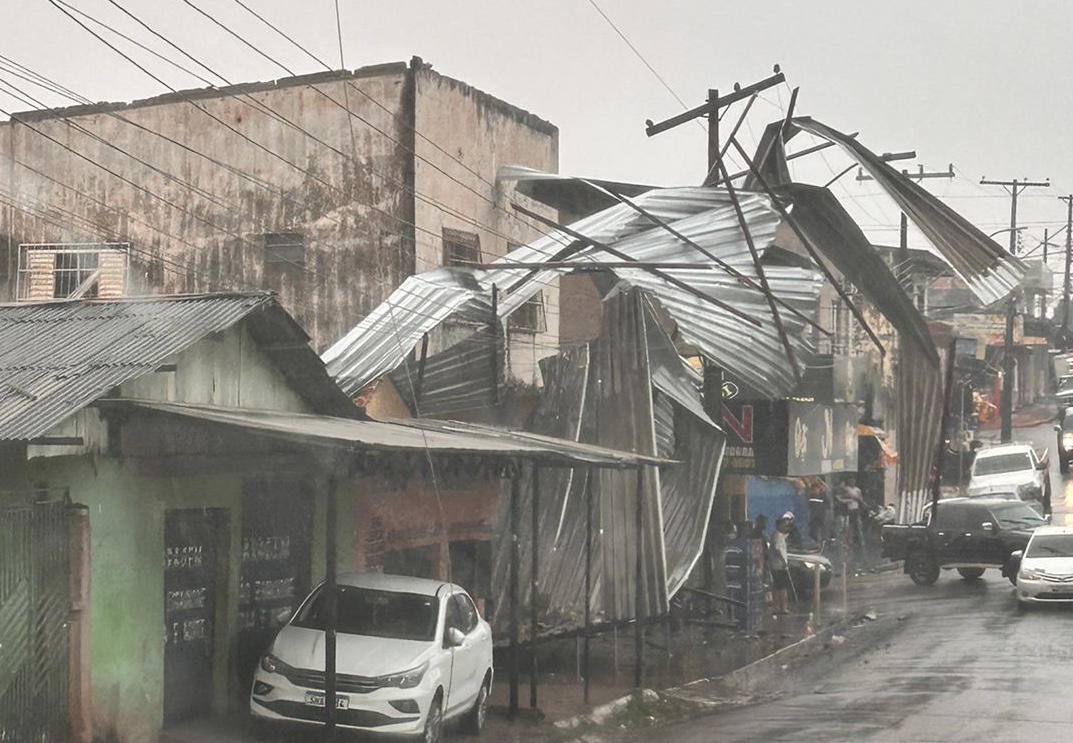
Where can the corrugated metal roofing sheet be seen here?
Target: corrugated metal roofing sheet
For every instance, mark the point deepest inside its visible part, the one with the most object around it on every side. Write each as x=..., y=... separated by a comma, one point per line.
x=57, y=357
x=389, y=333
x=456, y=379
x=591, y=394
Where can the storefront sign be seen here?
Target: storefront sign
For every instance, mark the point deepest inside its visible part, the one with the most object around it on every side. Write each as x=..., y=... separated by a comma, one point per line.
x=790, y=438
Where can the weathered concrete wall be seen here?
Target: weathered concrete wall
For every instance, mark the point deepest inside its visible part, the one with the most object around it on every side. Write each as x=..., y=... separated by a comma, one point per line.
x=196, y=208
x=413, y=513
x=457, y=188
x=197, y=179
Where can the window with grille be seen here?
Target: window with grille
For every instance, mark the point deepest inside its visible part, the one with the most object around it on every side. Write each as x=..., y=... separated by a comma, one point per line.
x=71, y=271
x=284, y=249
x=74, y=274
x=461, y=248
x=529, y=318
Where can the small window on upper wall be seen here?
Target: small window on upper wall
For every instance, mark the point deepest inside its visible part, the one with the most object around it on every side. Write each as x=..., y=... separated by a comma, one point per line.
x=529, y=317
x=284, y=249
x=71, y=271
x=460, y=248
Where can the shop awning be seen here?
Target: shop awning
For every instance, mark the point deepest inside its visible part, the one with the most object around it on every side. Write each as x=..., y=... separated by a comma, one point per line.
x=411, y=435
x=890, y=456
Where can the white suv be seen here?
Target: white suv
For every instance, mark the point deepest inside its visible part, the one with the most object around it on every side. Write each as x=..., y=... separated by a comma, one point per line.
x=1010, y=468
x=411, y=654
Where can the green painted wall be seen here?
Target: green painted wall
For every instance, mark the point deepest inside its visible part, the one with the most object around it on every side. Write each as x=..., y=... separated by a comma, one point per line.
x=126, y=512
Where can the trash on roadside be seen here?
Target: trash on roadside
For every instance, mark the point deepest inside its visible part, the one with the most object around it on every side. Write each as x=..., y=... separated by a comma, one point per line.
x=837, y=640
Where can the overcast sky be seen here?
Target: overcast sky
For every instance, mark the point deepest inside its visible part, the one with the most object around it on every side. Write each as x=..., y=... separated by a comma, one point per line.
x=980, y=84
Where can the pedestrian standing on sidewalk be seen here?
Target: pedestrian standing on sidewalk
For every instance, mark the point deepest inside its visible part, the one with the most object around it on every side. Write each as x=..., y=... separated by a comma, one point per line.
x=779, y=565
x=818, y=510
x=853, y=502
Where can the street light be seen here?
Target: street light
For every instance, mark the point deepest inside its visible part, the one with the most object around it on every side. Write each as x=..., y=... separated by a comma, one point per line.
x=1007, y=229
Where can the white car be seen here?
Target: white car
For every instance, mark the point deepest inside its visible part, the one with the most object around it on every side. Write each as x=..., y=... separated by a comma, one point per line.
x=1045, y=575
x=411, y=654
x=1010, y=468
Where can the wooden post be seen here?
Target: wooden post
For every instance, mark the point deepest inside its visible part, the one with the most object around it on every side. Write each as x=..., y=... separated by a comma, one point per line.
x=639, y=632
x=331, y=605
x=512, y=672
x=534, y=566
x=493, y=335
x=845, y=592
x=588, y=579
x=419, y=387
x=816, y=607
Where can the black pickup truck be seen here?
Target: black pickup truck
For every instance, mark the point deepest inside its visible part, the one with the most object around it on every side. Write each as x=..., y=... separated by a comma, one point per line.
x=969, y=534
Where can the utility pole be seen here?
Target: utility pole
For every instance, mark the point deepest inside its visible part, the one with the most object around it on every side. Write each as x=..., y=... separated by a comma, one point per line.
x=1013, y=188
x=1064, y=337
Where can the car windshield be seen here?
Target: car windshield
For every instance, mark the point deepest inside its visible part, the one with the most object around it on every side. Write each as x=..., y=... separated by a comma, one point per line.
x=1050, y=545
x=1017, y=516
x=999, y=463
x=363, y=611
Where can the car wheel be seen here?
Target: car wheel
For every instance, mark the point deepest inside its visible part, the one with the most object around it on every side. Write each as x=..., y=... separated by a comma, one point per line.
x=474, y=722
x=971, y=573
x=922, y=569
x=1010, y=570
x=434, y=722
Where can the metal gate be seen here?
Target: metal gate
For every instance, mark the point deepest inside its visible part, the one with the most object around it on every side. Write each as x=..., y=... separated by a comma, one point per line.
x=34, y=606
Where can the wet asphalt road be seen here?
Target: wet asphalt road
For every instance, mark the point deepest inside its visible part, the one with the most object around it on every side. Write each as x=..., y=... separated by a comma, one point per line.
x=968, y=666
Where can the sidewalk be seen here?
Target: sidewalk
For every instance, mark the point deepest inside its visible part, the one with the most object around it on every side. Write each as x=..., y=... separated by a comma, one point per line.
x=1036, y=414
x=695, y=664
x=699, y=668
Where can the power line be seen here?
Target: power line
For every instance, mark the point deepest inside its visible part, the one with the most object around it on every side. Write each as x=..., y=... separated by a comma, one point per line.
x=143, y=47
x=343, y=106
x=641, y=57
x=378, y=104
x=275, y=155
x=257, y=105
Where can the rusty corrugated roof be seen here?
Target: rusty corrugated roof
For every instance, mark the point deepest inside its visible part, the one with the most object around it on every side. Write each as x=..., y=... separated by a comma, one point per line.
x=58, y=357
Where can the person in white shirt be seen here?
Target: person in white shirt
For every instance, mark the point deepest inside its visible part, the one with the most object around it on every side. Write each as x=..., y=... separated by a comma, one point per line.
x=779, y=562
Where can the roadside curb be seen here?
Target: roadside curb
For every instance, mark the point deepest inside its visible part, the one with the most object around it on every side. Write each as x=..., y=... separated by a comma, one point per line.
x=847, y=637
x=750, y=684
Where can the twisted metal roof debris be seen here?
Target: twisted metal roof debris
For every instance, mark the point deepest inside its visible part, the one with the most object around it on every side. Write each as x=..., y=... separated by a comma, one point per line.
x=744, y=339
x=988, y=270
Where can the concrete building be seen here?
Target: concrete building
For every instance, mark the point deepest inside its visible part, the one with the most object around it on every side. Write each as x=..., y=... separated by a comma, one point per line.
x=328, y=189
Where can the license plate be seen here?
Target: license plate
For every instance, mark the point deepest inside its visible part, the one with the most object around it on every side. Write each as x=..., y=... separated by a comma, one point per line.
x=316, y=699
